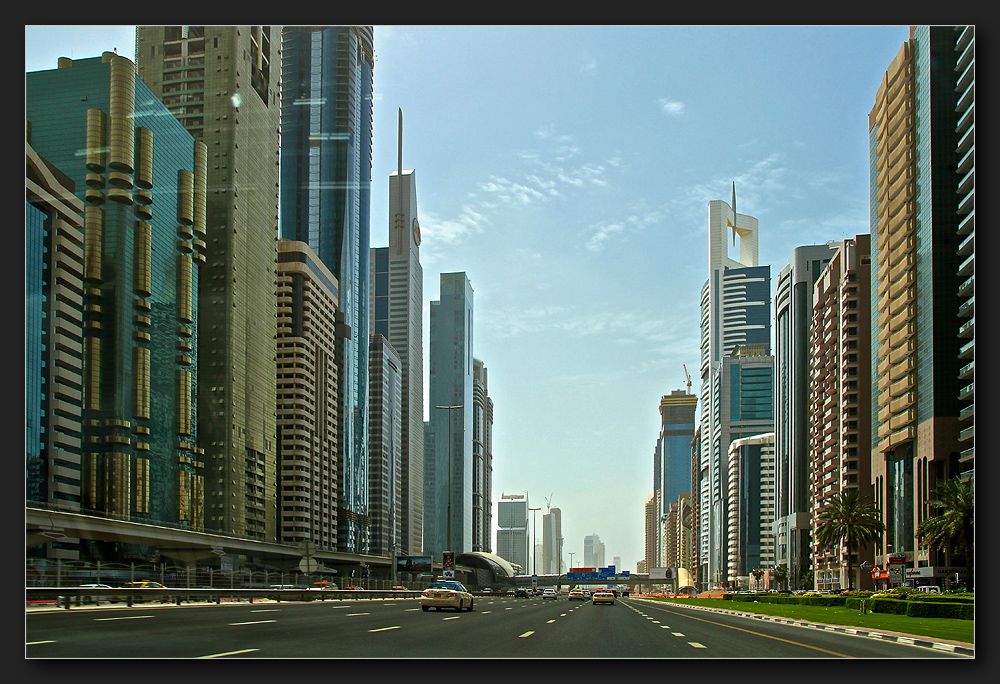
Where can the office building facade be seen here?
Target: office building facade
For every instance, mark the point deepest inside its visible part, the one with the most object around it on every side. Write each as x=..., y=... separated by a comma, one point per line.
x=793, y=303
x=512, y=530
x=307, y=407
x=53, y=354
x=221, y=84
x=840, y=393
x=385, y=447
x=482, y=459
x=326, y=161
x=397, y=314
x=735, y=312
x=141, y=178
x=552, y=540
x=916, y=345
x=448, y=449
x=750, y=544
x=672, y=455
x=593, y=552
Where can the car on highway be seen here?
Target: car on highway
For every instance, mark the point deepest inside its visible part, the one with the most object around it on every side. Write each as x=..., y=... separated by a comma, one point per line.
x=147, y=585
x=446, y=594
x=603, y=596
x=522, y=592
x=576, y=595
x=98, y=599
x=550, y=593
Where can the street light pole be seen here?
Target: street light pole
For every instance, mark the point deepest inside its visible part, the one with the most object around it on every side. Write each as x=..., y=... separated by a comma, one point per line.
x=449, y=409
x=534, y=540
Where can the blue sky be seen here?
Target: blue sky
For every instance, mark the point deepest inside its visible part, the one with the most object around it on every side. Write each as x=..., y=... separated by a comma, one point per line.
x=567, y=170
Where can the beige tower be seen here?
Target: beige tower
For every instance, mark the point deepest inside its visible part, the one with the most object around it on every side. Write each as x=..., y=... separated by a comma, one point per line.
x=221, y=82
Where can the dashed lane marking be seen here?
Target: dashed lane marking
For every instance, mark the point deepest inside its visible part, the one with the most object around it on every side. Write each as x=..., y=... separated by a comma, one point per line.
x=356, y=614
x=383, y=629
x=526, y=634
x=677, y=633
x=252, y=622
x=695, y=644
x=130, y=617
x=35, y=643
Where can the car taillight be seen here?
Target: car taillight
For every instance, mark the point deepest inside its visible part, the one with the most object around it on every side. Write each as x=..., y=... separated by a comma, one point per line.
x=425, y=593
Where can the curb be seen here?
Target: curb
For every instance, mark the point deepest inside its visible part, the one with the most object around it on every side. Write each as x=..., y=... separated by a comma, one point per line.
x=901, y=639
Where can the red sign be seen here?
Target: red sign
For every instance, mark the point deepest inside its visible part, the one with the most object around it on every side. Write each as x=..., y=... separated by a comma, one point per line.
x=54, y=535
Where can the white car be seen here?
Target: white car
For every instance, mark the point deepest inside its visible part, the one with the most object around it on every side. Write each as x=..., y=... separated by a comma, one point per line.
x=603, y=596
x=549, y=593
x=446, y=594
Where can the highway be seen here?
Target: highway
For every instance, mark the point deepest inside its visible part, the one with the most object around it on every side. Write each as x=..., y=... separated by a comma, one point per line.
x=498, y=627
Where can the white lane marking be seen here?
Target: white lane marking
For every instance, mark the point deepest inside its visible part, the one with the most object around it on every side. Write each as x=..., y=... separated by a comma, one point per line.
x=131, y=617
x=254, y=622
x=526, y=634
x=35, y=643
x=338, y=606
x=664, y=626
x=508, y=608
x=677, y=633
x=356, y=614
x=550, y=622
x=410, y=610
x=454, y=617
x=485, y=612
x=382, y=629
x=656, y=622
x=266, y=610
x=219, y=655
x=563, y=614
x=695, y=644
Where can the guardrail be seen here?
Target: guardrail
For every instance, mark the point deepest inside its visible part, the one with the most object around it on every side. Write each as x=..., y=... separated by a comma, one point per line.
x=67, y=597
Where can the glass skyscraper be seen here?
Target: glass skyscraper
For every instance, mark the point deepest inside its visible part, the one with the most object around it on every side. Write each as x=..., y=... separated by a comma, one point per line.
x=326, y=149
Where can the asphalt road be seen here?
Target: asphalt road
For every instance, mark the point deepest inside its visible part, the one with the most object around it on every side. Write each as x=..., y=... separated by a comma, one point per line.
x=498, y=627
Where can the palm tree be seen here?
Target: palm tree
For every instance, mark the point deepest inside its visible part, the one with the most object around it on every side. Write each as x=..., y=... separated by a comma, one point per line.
x=781, y=574
x=954, y=527
x=848, y=520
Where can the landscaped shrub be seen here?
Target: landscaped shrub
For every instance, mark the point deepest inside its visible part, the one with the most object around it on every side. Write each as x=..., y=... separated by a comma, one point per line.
x=889, y=605
x=933, y=609
x=823, y=600
x=940, y=598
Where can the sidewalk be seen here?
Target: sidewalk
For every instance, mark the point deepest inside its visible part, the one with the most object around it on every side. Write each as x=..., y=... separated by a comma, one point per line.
x=958, y=647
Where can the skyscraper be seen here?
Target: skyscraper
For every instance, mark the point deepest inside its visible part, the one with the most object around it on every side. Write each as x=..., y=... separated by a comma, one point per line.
x=735, y=311
x=672, y=456
x=751, y=506
x=839, y=425
x=482, y=459
x=384, y=447
x=397, y=294
x=593, y=551
x=221, y=83
x=326, y=148
x=53, y=328
x=307, y=386
x=793, y=303
x=130, y=314
x=552, y=542
x=512, y=530
x=917, y=350
x=448, y=452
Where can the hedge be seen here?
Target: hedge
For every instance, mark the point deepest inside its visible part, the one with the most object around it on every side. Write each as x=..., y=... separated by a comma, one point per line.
x=888, y=605
x=932, y=609
x=940, y=598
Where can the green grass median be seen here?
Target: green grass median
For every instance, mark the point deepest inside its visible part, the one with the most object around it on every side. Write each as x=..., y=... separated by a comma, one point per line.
x=935, y=628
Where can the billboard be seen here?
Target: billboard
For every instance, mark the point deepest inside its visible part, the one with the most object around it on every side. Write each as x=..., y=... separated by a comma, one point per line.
x=661, y=573
x=413, y=563
x=448, y=564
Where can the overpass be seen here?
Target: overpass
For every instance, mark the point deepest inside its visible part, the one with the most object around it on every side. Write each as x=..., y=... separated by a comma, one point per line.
x=184, y=545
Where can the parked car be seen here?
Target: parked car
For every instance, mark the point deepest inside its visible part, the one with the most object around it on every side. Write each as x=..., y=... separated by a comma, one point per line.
x=603, y=596
x=446, y=594
x=930, y=589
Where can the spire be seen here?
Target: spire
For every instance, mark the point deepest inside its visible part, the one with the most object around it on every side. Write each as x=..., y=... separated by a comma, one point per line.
x=734, y=212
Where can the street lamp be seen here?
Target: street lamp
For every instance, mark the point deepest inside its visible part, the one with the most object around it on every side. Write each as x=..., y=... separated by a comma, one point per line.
x=534, y=540
x=449, y=409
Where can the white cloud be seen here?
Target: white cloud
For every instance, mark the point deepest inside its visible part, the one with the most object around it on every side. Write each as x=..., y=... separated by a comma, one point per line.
x=671, y=107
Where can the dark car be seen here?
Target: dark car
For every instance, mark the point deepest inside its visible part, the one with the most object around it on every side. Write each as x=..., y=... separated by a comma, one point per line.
x=522, y=593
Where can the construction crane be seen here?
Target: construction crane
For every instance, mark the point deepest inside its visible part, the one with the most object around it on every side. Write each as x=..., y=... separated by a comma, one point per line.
x=548, y=503
x=688, y=376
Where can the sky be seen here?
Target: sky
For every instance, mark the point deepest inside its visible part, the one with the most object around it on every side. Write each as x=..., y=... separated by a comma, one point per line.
x=567, y=171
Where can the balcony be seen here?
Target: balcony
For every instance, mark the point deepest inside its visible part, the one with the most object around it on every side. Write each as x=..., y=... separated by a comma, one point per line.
x=968, y=412
x=968, y=329
x=967, y=392
x=967, y=308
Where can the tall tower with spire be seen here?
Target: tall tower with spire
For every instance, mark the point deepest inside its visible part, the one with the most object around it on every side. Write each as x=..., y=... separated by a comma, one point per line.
x=397, y=314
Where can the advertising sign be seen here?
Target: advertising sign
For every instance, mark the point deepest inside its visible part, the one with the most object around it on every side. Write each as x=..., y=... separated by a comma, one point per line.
x=413, y=563
x=659, y=574
x=448, y=564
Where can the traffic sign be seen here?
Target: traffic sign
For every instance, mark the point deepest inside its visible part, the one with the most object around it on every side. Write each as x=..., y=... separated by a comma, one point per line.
x=308, y=565
x=52, y=534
